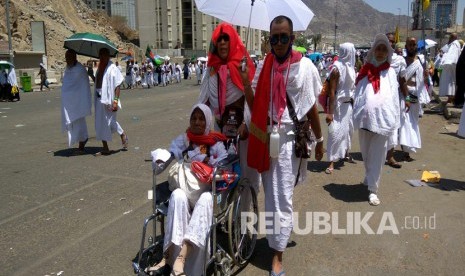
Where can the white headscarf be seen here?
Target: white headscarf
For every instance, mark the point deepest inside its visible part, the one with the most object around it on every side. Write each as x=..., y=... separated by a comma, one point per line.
x=380, y=39
x=208, y=116
x=346, y=62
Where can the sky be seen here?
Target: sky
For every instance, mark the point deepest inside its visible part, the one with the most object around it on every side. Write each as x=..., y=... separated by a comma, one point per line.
x=393, y=6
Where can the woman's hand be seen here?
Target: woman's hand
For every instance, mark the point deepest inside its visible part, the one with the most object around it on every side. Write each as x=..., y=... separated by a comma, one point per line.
x=114, y=106
x=244, y=73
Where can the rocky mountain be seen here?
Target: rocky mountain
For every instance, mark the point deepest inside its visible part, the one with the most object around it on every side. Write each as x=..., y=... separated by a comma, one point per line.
x=61, y=18
x=357, y=21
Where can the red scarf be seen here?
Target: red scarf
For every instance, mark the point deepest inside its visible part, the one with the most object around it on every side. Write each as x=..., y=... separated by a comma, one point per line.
x=373, y=74
x=258, y=155
x=206, y=139
x=237, y=51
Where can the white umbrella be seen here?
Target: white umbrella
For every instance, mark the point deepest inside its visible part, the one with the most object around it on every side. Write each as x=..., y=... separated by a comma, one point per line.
x=261, y=12
x=430, y=43
x=202, y=59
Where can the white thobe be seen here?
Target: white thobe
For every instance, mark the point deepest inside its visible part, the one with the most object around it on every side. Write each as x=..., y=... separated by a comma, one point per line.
x=105, y=118
x=409, y=131
x=341, y=128
x=76, y=103
x=376, y=116
x=398, y=64
x=449, y=63
x=303, y=84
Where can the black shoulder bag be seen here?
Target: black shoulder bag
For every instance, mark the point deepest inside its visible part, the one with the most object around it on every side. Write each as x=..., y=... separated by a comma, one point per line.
x=302, y=133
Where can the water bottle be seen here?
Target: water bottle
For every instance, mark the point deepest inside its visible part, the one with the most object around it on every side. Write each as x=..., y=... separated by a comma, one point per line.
x=274, y=143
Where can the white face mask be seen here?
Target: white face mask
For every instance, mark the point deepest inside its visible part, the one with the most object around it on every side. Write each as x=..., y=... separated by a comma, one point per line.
x=377, y=63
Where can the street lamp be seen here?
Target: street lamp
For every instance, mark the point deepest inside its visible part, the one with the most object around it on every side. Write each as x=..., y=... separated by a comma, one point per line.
x=10, y=48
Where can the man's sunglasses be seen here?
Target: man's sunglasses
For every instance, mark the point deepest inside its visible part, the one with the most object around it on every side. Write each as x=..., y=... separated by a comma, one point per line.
x=224, y=37
x=283, y=38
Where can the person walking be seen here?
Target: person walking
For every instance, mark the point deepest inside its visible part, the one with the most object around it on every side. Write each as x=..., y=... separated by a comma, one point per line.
x=76, y=102
x=285, y=76
x=43, y=77
x=376, y=111
x=449, y=63
x=107, y=102
x=339, y=117
x=412, y=85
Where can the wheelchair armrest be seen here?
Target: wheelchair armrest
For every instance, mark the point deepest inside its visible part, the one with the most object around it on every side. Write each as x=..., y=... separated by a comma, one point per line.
x=158, y=168
x=231, y=159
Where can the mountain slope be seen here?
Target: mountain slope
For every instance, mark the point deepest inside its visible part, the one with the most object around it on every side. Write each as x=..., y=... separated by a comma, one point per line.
x=357, y=21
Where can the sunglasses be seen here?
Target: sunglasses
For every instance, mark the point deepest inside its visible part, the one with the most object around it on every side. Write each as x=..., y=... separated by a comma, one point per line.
x=283, y=38
x=224, y=37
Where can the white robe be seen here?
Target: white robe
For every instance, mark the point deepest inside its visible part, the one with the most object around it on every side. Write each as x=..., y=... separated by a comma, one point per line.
x=341, y=128
x=461, y=130
x=187, y=220
x=449, y=63
x=76, y=103
x=105, y=118
x=409, y=131
x=398, y=64
x=303, y=86
x=378, y=113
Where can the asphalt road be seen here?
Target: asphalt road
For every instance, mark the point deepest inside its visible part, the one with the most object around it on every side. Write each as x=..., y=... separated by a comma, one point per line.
x=82, y=215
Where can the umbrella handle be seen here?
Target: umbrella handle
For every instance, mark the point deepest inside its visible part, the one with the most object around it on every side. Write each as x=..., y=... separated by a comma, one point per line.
x=248, y=28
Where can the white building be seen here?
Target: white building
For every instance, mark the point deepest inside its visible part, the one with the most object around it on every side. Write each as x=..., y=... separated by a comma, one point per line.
x=168, y=24
x=127, y=9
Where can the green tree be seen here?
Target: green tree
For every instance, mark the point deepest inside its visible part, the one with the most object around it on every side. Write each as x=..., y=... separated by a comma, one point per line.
x=316, y=39
x=301, y=41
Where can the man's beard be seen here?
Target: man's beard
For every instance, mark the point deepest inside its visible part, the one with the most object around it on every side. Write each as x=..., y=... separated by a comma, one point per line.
x=411, y=54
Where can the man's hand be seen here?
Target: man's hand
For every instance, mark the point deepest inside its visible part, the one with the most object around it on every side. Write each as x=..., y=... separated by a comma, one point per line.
x=114, y=106
x=319, y=151
x=243, y=131
x=407, y=106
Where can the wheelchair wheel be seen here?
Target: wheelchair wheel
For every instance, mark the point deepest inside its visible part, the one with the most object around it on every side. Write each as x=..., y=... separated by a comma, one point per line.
x=241, y=238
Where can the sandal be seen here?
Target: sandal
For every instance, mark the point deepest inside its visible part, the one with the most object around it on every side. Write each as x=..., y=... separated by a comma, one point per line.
x=103, y=153
x=407, y=158
x=125, y=143
x=349, y=159
x=329, y=170
x=394, y=164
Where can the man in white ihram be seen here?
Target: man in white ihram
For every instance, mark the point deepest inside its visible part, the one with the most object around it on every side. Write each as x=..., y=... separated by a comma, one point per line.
x=449, y=63
x=75, y=102
x=107, y=91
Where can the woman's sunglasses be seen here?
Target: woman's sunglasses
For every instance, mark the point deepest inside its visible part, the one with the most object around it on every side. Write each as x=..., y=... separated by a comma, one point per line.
x=224, y=37
x=283, y=38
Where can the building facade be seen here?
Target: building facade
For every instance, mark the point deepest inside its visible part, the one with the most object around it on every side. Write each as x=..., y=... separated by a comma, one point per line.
x=103, y=5
x=441, y=14
x=125, y=8
x=175, y=24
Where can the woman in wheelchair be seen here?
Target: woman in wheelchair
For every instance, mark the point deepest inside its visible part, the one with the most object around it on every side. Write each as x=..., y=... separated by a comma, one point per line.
x=190, y=211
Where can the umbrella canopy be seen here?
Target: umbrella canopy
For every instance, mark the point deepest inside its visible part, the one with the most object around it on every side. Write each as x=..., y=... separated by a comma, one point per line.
x=316, y=56
x=89, y=44
x=429, y=43
x=237, y=12
x=6, y=64
x=158, y=61
x=300, y=49
x=202, y=59
x=126, y=58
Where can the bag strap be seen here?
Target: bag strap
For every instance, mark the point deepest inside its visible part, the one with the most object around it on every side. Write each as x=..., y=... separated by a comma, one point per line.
x=296, y=122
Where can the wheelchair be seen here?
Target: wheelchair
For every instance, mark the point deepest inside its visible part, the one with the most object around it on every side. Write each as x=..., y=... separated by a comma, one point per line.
x=228, y=204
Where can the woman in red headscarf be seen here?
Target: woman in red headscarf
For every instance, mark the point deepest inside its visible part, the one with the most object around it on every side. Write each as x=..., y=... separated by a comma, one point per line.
x=222, y=89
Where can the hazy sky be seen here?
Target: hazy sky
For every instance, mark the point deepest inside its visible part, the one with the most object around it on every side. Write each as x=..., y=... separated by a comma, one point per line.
x=393, y=6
